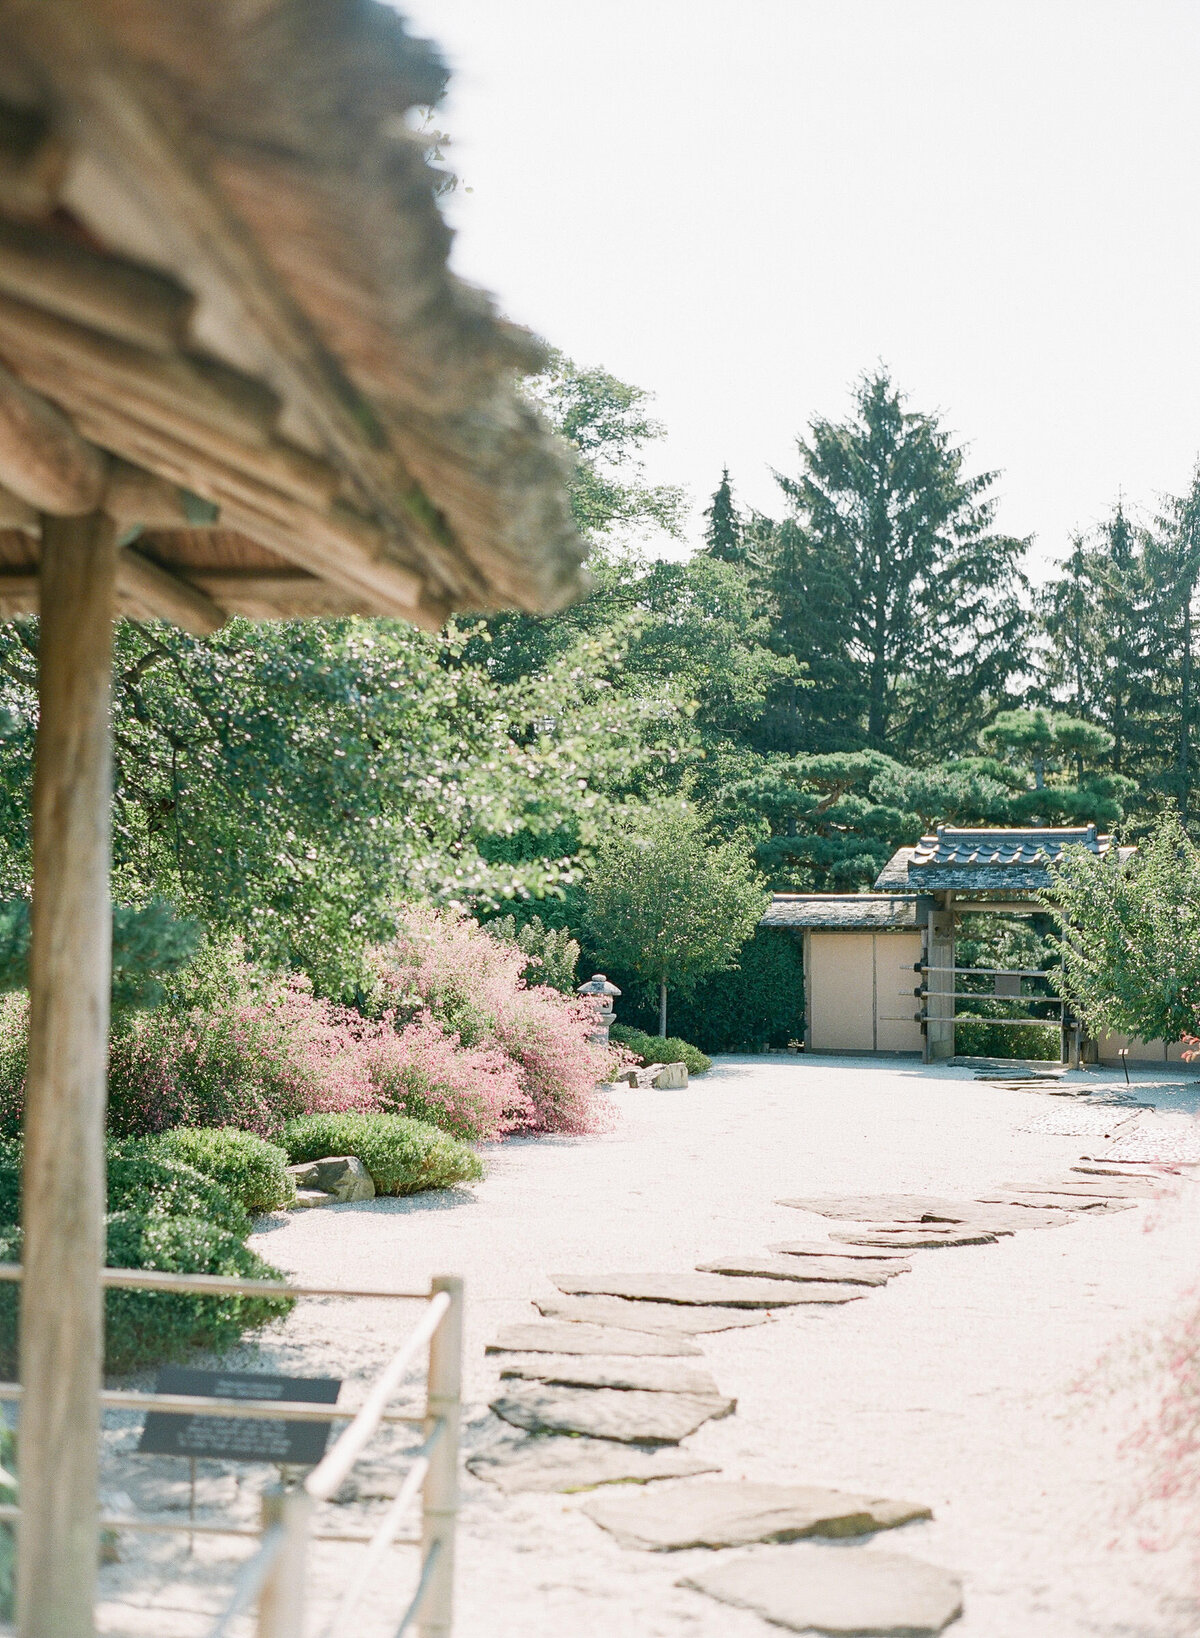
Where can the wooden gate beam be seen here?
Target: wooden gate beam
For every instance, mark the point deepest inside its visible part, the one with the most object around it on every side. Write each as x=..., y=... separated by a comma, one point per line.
x=63, y=1189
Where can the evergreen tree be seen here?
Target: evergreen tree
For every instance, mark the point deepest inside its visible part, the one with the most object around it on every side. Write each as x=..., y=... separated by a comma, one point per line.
x=722, y=526
x=929, y=614
x=1074, y=631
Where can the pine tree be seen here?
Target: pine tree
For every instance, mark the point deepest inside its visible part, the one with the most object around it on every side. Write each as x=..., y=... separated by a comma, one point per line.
x=931, y=599
x=1070, y=619
x=1173, y=576
x=723, y=526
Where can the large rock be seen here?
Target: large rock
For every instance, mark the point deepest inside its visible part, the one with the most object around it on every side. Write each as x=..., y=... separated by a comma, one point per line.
x=564, y=1465
x=838, y=1592
x=549, y=1337
x=609, y=1413
x=830, y=1271
x=703, y=1289
x=732, y=1514
x=668, y=1317
x=648, y=1375
x=342, y=1176
x=671, y=1077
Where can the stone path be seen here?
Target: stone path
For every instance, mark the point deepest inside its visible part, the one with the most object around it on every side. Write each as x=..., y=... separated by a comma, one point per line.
x=643, y=1402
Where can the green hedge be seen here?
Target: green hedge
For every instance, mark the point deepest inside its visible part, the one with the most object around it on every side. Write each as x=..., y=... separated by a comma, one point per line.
x=653, y=1049
x=150, y=1327
x=402, y=1155
x=140, y=1182
x=760, y=1004
x=249, y=1168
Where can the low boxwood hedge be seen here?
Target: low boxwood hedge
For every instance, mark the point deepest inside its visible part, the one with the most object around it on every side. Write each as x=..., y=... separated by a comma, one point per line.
x=402, y=1155
x=249, y=1168
x=654, y=1049
x=139, y=1181
x=145, y=1328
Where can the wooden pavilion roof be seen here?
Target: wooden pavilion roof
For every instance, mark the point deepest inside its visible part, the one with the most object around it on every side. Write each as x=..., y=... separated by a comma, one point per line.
x=222, y=265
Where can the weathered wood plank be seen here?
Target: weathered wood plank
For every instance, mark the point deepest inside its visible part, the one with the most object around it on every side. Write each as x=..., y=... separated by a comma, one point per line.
x=63, y=1186
x=166, y=596
x=43, y=460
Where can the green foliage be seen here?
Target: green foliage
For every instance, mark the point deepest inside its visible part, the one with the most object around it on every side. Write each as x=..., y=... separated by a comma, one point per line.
x=144, y=1328
x=403, y=1156
x=1130, y=949
x=666, y=905
x=759, y=1004
x=148, y=942
x=248, y=1168
x=1016, y=942
x=553, y=954
x=722, y=525
x=654, y=1049
x=141, y=1182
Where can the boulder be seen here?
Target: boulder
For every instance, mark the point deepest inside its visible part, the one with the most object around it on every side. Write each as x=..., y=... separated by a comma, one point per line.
x=342, y=1176
x=671, y=1077
x=564, y=1465
x=626, y=1415
x=733, y=1514
x=838, y=1592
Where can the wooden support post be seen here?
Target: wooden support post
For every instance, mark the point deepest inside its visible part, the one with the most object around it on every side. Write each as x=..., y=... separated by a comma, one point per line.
x=440, y=1505
x=62, y=1331
x=281, y=1604
x=939, y=1007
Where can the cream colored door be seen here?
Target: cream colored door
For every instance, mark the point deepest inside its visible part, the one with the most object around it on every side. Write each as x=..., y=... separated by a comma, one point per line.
x=896, y=1029
x=841, y=999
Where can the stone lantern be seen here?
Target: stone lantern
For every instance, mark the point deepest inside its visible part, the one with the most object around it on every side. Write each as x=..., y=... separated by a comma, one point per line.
x=599, y=995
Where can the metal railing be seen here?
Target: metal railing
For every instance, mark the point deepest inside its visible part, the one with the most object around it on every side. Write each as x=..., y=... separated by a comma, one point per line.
x=275, y=1576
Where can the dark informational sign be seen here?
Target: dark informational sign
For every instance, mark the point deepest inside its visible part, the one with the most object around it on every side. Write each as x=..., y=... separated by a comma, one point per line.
x=241, y=1439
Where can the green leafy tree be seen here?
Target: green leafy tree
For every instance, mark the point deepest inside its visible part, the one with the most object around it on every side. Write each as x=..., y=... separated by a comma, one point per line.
x=668, y=905
x=553, y=955
x=1173, y=573
x=1130, y=946
x=902, y=578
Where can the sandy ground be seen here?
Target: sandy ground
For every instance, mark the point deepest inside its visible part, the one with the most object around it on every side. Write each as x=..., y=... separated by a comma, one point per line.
x=957, y=1385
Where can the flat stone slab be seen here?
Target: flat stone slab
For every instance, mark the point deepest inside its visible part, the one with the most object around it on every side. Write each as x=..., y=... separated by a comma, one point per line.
x=838, y=1592
x=565, y=1465
x=912, y=1237
x=668, y=1317
x=885, y=1208
x=649, y=1375
x=729, y=1514
x=703, y=1289
x=609, y=1413
x=550, y=1337
x=1093, y=1205
x=833, y=1249
x=1086, y=1122
x=1173, y=1139
x=756, y=1266
x=1104, y=1188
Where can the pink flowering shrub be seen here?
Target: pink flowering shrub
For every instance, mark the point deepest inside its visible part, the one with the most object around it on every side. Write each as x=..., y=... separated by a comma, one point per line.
x=444, y=966
x=420, y=1070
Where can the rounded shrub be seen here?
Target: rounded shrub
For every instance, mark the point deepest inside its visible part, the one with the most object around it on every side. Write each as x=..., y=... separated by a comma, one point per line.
x=403, y=1156
x=140, y=1182
x=653, y=1049
x=144, y=1328
x=251, y=1170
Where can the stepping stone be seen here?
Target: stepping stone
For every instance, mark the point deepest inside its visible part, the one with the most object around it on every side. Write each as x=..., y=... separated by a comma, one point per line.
x=756, y=1266
x=912, y=1237
x=729, y=1514
x=648, y=1375
x=1112, y=1188
x=1094, y=1205
x=836, y=1591
x=831, y=1249
x=668, y=1317
x=702, y=1289
x=1098, y=1169
x=610, y=1413
x=885, y=1208
x=549, y=1337
x=565, y=1465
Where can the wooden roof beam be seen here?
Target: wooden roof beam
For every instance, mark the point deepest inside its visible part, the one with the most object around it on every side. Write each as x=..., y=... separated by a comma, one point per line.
x=161, y=595
x=43, y=459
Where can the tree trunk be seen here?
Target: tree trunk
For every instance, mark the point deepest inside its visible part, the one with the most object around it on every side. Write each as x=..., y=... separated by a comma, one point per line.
x=63, y=1195
x=662, y=1009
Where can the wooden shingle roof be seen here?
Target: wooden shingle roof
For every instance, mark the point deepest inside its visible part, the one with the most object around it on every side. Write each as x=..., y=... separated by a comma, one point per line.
x=986, y=860
x=849, y=912
x=222, y=260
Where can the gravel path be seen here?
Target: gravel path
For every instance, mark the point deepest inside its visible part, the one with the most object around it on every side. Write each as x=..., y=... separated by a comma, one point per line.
x=953, y=1385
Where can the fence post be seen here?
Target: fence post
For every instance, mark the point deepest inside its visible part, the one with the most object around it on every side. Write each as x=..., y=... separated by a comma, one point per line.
x=440, y=1505
x=281, y=1601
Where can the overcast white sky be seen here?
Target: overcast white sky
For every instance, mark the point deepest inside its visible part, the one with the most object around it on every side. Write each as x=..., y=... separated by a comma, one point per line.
x=743, y=206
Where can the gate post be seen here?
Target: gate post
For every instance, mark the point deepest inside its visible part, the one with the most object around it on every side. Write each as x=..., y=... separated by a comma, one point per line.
x=939, y=981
